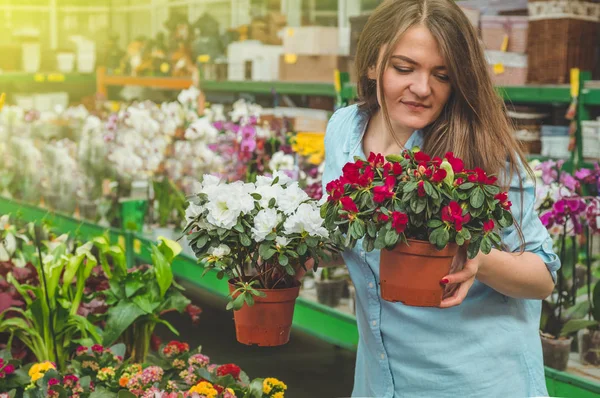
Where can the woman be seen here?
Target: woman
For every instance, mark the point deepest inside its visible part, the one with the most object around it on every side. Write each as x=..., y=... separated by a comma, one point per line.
x=423, y=81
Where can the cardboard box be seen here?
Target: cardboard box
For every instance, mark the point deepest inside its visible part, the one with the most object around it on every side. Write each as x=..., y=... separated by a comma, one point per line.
x=311, y=68
x=253, y=60
x=311, y=40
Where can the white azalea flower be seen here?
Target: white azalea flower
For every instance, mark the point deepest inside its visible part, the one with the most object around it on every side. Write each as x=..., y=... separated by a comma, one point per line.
x=291, y=198
x=268, y=192
x=263, y=181
x=282, y=241
x=281, y=161
x=306, y=219
x=284, y=179
x=264, y=223
x=220, y=251
x=193, y=211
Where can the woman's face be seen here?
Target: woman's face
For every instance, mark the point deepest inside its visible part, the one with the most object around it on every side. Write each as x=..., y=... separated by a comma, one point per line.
x=416, y=85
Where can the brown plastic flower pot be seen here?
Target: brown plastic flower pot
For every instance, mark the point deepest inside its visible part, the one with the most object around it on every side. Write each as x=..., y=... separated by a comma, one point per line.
x=411, y=273
x=268, y=322
x=556, y=352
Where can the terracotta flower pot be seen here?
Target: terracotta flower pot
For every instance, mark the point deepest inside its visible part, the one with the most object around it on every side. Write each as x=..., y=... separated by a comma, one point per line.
x=269, y=321
x=556, y=352
x=411, y=273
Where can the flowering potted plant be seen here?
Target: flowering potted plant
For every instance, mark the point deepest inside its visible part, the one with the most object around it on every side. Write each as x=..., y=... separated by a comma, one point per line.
x=259, y=235
x=420, y=210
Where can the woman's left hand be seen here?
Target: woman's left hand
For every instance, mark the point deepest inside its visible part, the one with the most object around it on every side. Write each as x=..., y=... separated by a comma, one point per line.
x=461, y=281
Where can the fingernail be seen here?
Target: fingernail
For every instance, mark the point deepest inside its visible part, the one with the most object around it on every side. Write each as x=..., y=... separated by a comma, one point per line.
x=444, y=281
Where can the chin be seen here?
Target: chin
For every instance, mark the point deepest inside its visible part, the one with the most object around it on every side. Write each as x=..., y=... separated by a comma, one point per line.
x=411, y=122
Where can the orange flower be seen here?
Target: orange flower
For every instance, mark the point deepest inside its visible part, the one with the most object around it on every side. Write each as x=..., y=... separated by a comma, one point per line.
x=123, y=381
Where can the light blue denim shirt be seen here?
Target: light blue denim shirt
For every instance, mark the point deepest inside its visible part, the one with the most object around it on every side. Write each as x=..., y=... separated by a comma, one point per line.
x=489, y=346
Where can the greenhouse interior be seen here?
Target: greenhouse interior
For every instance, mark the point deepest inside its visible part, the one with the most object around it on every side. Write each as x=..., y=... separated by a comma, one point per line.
x=299, y=198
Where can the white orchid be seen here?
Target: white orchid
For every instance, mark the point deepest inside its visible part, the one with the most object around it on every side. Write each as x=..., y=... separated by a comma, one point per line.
x=281, y=161
x=189, y=96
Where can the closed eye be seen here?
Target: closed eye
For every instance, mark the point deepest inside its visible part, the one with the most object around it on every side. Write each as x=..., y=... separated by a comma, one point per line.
x=443, y=78
x=402, y=70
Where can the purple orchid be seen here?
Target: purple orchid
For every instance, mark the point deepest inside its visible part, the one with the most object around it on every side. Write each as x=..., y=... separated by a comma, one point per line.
x=569, y=181
x=219, y=125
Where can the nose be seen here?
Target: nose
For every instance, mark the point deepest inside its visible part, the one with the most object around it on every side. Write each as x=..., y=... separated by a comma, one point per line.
x=420, y=85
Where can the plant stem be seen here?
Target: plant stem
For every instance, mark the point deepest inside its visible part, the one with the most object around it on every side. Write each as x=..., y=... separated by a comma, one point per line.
x=51, y=312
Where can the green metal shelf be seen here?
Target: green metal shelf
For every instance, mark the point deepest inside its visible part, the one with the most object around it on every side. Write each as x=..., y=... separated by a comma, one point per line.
x=294, y=88
x=49, y=77
x=321, y=321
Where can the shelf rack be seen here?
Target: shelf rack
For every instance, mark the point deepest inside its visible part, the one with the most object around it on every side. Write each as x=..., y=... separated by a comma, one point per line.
x=326, y=323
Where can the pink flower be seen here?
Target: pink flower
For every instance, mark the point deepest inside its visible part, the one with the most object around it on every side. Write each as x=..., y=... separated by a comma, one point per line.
x=97, y=348
x=53, y=382
x=9, y=369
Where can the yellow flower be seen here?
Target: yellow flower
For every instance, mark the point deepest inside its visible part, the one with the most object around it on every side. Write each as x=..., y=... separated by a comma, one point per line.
x=271, y=383
x=2, y=100
x=278, y=395
x=34, y=369
x=204, y=388
x=230, y=391
x=36, y=376
x=46, y=366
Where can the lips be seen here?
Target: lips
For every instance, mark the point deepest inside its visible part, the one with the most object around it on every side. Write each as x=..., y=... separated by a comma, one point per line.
x=415, y=104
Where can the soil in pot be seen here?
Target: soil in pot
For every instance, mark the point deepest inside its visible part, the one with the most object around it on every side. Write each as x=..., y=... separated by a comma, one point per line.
x=589, y=347
x=329, y=292
x=556, y=351
x=411, y=273
x=269, y=321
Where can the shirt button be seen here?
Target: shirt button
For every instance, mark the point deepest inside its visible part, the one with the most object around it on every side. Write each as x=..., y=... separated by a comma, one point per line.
x=374, y=323
x=370, y=285
x=382, y=356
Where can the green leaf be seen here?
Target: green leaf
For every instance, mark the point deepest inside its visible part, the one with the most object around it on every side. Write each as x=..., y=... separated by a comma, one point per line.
x=486, y=245
x=439, y=237
x=409, y=187
x=238, y=302
x=596, y=302
x=273, y=201
x=575, y=325
x=100, y=392
x=120, y=317
x=302, y=248
x=394, y=158
x=255, y=390
x=459, y=240
x=473, y=249
x=145, y=304
x=239, y=227
x=256, y=196
x=125, y=394
x=202, y=241
x=360, y=228
x=368, y=244
x=162, y=268
x=283, y=260
x=245, y=240
x=312, y=242
x=477, y=198
x=466, y=186
x=434, y=223
x=391, y=238
x=133, y=284
x=429, y=188
x=371, y=229
x=492, y=190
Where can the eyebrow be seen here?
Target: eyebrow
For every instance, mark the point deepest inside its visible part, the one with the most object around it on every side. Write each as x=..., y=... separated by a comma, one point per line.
x=413, y=62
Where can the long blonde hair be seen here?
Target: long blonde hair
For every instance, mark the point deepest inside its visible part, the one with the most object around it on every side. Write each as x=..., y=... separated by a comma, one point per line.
x=473, y=123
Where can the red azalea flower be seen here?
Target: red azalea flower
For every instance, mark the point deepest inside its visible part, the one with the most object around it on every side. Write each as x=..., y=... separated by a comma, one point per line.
x=9, y=369
x=459, y=181
x=384, y=192
x=376, y=160
x=218, y=388
x=491, y=180
x=229, y=369
x=437, y=161
x=421, y=189
x=380, y=217
x=367, y=177
x=397, y=169
x=387, y=168
x=399, y=221
x=481, y=175
x=502, y=197
x=488, y=226
x=97, y=348
x=421, y=157
x=427, y=172
x=472, y=178
x=348, y=204
x=453, y=214
x=439, y=175
x=335, y=189
x=457, y=164
x=352, y=171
